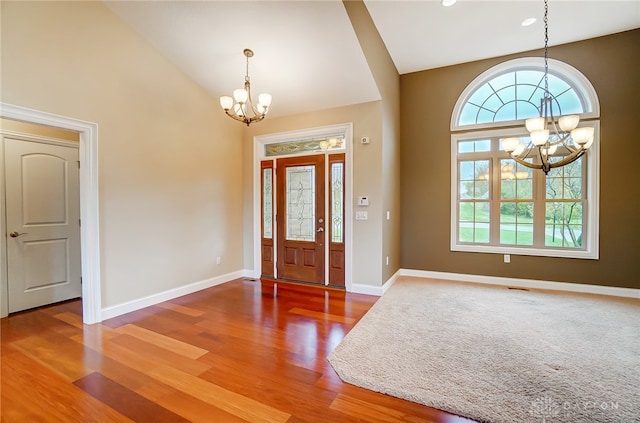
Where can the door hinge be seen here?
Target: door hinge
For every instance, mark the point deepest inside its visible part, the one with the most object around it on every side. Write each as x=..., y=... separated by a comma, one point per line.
x=78, y=164
x=79, y=222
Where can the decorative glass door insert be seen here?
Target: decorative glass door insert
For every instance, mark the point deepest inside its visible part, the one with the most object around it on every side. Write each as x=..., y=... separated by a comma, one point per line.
x=266, y=243
x=300, y=200
x=336, y=229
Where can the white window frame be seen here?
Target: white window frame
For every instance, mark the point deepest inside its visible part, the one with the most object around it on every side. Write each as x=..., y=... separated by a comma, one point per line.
x=581, y=84
x=591, y=215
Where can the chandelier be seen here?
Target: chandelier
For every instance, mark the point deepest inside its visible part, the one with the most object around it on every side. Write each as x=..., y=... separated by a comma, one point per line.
x=240, y=107
x=548, y=136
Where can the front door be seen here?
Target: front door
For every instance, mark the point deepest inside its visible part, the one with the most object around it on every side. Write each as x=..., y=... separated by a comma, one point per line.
x=43, y=223
x=300, y=218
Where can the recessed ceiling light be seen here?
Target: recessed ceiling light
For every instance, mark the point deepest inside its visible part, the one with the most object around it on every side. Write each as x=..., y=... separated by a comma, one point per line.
x=447, y=3
x=528, y=21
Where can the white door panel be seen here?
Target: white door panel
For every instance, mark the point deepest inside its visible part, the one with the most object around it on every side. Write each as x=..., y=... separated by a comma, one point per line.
x=43, y=223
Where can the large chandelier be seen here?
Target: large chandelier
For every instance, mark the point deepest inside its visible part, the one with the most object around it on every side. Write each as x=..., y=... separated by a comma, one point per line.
x=546, y=135
x=240, y=107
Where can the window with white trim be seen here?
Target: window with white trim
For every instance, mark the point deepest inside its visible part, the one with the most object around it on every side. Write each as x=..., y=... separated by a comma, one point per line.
x=501, y=206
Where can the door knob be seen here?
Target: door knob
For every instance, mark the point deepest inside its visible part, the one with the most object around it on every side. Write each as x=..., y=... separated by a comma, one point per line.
x=15, y=234
x=320, y=230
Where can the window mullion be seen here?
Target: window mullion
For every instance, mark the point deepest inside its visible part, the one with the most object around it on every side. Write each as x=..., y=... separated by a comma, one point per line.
x=539, y=208
x=495, y=196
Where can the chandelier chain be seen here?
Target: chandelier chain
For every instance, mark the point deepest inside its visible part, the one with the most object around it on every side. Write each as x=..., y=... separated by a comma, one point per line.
x=546, y=45
x=566, y=144
x=246, y=74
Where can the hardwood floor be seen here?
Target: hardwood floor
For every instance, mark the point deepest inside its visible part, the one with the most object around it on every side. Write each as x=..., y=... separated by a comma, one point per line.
x=244, y=351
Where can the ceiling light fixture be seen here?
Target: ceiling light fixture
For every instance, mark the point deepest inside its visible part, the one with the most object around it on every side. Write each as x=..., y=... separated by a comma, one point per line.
x=448, y=3
x=240, y=106
x=564, y=137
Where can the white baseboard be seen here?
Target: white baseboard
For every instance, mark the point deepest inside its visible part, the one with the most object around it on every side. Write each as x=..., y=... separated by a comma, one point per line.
x=526, y=283
x=375, y=290
x=120, y=309
x=357, y=288
x=251, y=274
x=129, y=306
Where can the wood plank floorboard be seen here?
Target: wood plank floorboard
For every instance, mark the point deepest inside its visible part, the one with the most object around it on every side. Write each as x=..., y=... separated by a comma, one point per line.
x=186, y=405
x=126, y=401
x=244, y=351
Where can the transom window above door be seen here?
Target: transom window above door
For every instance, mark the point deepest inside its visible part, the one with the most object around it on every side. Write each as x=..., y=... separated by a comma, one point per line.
x=335, y=142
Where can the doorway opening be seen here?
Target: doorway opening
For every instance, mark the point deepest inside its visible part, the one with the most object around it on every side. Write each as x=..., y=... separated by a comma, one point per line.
x=89, y=230
x=302, y=192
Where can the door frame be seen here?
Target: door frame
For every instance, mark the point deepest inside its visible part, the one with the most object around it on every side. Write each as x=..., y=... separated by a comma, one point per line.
x=89, y=211
x=259, y=143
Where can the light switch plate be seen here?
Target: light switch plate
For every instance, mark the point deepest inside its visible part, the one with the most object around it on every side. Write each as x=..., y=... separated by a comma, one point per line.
x=362, y=215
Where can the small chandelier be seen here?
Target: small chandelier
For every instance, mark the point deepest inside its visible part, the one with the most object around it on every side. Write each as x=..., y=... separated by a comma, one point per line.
x=547, y=135
x=240, y=107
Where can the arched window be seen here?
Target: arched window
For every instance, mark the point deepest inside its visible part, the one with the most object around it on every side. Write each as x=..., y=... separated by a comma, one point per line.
x=499, y=205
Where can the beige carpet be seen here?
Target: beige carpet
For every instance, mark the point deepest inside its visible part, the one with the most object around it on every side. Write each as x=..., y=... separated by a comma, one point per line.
x=499, y=355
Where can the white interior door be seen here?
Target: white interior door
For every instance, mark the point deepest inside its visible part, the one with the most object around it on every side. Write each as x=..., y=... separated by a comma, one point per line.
x=43, y=223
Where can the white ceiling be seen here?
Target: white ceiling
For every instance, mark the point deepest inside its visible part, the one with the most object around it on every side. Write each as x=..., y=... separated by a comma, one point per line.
x=307, y=54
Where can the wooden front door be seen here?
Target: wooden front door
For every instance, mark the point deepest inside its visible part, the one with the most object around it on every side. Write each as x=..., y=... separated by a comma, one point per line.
x=301, y=234
x=43, y=223
x=301, y=218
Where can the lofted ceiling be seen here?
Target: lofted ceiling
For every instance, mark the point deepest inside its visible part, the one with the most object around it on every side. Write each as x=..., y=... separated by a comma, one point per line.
x=308, y=56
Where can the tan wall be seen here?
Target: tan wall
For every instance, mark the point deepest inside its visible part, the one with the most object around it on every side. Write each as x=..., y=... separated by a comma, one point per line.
x=35, y=129
x=612, y=64
x=367, y=237
x=375, y=166
x=170, y=179
x=387, y=80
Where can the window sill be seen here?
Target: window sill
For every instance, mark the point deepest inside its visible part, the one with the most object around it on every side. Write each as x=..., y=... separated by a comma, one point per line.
x=588, y=254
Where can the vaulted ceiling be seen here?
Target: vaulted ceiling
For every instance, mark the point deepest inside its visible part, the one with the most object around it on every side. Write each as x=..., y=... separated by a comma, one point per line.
x=307, y=54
